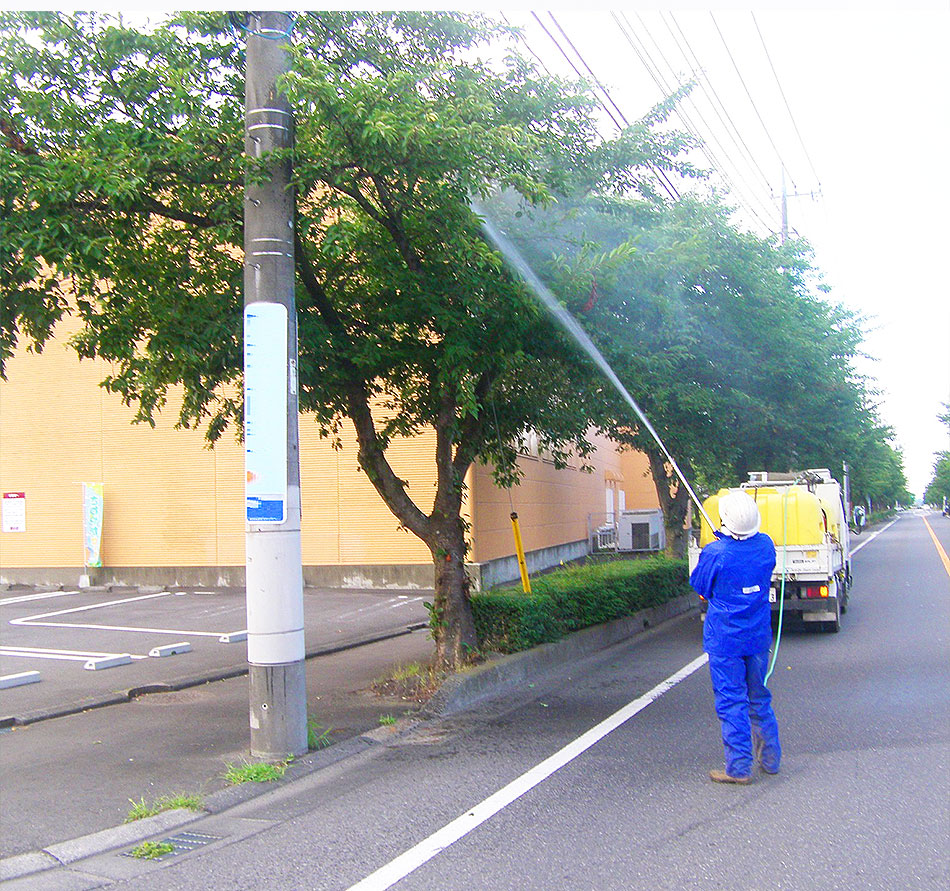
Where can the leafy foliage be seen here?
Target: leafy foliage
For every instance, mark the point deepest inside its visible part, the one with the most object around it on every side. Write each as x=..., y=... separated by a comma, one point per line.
x=121, y=199
x=566, y=600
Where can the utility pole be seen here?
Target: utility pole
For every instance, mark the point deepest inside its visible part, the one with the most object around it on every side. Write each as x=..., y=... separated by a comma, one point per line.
x=274, y=575
x=785, y=197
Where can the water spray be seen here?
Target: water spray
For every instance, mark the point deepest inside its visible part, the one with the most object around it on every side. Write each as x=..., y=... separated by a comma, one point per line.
x=569, y=324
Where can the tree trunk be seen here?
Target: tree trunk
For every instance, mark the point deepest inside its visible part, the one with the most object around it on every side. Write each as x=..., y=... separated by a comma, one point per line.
x=674, y=500
x=452, y=624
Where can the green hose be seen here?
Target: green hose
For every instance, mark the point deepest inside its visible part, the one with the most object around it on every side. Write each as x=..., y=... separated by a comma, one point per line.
x=781, y=602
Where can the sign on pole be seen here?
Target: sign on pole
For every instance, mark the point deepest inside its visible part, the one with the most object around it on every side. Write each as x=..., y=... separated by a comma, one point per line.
x=265, y=412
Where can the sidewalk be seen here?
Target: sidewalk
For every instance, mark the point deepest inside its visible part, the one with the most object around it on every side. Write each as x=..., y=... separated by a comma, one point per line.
x=69, y=780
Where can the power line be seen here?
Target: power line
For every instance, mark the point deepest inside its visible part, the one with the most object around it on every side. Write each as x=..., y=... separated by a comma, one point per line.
x=751, y=100
x=716, y=103
x=653, y=70
x=785, y=100
x=668, y=187
x=706, y=144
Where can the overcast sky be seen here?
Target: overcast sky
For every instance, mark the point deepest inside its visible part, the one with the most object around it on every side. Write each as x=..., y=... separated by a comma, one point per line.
x=866, y=128
x=851, y=99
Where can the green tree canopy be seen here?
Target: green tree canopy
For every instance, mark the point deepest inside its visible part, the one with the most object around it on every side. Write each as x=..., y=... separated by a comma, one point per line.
x=725, y=339
x=121, y=200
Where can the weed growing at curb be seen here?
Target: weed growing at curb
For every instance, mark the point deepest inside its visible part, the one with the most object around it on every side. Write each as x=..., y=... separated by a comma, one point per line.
x=249, y=772
x=140, y=809
x=318, y=736
x=387, y=720
x=413, y=682
x=149, y=850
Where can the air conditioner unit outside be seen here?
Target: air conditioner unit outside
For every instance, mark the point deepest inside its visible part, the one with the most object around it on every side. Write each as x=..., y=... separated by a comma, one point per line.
x=641, y=530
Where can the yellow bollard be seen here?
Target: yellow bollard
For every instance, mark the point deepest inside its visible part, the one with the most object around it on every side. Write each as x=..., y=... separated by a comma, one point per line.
x=519, y=547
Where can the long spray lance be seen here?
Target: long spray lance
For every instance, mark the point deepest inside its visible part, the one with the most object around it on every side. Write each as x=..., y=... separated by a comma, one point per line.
x=567, y=322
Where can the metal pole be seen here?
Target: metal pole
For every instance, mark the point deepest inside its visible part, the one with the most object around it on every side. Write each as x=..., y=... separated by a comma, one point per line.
x=275, y=638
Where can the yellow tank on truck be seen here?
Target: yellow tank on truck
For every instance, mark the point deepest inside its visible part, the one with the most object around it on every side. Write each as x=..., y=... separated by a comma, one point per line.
x=792, y=515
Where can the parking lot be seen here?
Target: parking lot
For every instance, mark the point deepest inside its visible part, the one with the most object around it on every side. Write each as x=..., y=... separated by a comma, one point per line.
x=65, y=650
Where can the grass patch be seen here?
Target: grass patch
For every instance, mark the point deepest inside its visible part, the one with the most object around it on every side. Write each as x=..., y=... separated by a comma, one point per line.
x=387, y=720
x=140, y=809
x=255, y=772
x=150, y=850
x=318, y=736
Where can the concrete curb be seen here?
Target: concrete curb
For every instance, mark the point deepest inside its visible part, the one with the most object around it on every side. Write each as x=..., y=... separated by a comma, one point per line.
x=458, y=693
x=509, y=673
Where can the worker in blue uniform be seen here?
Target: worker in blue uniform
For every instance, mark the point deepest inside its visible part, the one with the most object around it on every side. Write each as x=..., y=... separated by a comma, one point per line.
x=734, y=575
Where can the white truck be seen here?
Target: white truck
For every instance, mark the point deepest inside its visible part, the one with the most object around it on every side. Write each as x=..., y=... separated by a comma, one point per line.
x=805, y=516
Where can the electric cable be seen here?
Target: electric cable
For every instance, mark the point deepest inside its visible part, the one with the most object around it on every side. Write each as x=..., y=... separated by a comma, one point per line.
x=661, y=177
x=654, y=71
x=705, y=143
x=701, y=76
x=788, y=108
x=732, y=129
x=778, y=154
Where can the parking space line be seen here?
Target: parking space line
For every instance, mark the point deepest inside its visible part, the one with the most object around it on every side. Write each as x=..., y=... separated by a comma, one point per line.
x=24, y=598
x=62, y=655
x=35, y=620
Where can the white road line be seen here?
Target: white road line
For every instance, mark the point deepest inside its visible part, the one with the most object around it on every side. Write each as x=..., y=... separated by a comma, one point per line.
x=871, y=537
x=396, y=870
x=6, y=601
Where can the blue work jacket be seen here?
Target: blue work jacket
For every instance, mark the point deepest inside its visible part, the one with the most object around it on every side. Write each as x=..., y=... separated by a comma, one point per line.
x=734, y=577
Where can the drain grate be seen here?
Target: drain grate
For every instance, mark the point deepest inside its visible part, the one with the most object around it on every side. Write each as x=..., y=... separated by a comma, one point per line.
x=182, y=843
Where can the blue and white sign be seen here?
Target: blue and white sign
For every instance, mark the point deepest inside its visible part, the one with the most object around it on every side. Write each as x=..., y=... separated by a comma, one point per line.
x=265, y=412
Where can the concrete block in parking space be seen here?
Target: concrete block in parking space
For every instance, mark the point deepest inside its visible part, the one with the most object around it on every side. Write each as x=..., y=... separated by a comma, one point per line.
x=233, y=637
x=18, y=680
x=108, y=662
x=171, y=649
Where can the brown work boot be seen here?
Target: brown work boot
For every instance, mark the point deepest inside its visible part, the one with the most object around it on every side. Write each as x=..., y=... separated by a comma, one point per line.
x=720, y=776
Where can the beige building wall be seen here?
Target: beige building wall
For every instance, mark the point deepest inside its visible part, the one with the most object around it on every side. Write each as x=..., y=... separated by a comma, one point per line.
x=554, y=507
x=170, y=502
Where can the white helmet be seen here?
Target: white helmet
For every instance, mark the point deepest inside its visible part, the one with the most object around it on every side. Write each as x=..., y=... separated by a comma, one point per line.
x=739, y=515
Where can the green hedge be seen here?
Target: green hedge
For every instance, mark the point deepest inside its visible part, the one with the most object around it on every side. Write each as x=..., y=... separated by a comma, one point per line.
x=508, y=620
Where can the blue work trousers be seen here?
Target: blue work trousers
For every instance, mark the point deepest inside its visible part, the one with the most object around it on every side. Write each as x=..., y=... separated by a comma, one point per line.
x=744, y=706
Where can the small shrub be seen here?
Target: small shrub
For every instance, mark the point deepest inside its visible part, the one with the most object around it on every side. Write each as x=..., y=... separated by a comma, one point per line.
x=508, y=620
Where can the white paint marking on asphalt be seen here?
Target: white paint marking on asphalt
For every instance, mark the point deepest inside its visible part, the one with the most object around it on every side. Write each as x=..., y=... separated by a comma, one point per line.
x=62, y=655
x=24, y=598
x=34, y=621
x=396, y=870
x=19, y=680
x=30, y=620
x=871, y=537
x=27, y=655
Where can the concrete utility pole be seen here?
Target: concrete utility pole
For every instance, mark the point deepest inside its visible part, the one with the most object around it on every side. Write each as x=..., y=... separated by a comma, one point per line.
x=275, y=639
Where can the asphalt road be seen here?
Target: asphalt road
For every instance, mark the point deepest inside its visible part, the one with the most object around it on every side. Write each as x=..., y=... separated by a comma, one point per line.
x=862, y=802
